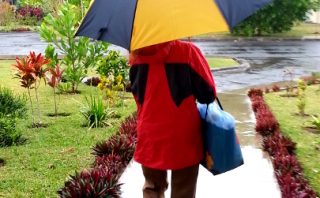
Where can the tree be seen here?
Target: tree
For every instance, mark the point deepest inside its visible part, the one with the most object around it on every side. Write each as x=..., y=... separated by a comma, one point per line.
x=277, y=17
x=79, y=53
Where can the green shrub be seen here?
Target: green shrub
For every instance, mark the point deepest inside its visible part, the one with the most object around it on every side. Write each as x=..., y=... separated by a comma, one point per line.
x=113, y=64
x=29, y=3
x=12, y=105
x=79, y=53
x=64, y=87
x=95, y=112
x=8, y=133
x=6, y=14
x=316, y=122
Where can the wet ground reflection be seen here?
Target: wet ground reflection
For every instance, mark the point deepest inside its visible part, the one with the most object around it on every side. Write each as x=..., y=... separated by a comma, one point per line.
x=251, y=180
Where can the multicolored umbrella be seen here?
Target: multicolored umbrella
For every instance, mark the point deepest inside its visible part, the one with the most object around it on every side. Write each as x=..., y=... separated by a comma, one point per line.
x=134, y=24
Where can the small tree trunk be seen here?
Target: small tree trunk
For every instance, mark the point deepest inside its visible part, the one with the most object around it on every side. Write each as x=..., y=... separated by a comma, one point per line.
x=31, y=106
x=55, y=102
x=73, y=88
x=38, y=106
x=82, y=8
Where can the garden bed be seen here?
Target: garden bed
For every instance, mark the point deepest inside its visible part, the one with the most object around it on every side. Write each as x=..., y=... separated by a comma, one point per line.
x=40, y=166
x=294, y=151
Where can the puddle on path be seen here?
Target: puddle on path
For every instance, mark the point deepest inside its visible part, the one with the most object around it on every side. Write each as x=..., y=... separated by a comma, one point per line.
x=239, y=106
x=251, y=180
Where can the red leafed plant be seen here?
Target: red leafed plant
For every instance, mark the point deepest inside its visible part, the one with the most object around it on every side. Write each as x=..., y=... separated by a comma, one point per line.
x=129, y=126
x=30, y=71
x=112, y=161
x=255, y=92
x=53, y=81
x=123, y=145
x=275, y=88
x=281, y=150
x=98, y=182
x=27, y=77
x=277, y=143
x=38, y=62
x=111, y=158
x=30, y=11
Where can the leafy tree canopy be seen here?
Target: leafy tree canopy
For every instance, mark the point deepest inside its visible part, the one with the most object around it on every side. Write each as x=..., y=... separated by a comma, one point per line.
x=277, y=17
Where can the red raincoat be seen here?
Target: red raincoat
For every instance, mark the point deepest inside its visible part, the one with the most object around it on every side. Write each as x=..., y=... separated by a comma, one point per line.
x=166, y=81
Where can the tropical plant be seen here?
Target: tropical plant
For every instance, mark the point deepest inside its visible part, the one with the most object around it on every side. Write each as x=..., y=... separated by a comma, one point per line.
x=301, y=103
x=30, y=71
x=113, y=88
x=27, y=78
x=64, y=87
x=52, y=55
x=12, y=105
x=281, y=150
x=29, y=3
x=122, y=145
x=113, y=64
x=79, y=53
x=279, y=16
x=275, y=88
x=53, y=81
x=98, y=182
x=6, y=14
x=111, y=158
x=8, y=132
x=39, y=71
x=95, y=112
x=29, y=15
x=93, y=81
x=316, y=122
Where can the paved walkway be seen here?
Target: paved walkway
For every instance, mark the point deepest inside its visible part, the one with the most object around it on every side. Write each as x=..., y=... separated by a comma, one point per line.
x=254, y=179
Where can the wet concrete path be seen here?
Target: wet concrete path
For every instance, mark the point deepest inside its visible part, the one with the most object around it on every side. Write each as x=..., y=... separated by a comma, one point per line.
x=254, y=179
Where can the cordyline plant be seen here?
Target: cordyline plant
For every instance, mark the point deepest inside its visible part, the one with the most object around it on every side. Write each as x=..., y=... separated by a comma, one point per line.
x=281, y=150
x=98, y=182
x=30, y=71
x=53, y=81
x=111, y=158
x=38, y=62
x=123, y=145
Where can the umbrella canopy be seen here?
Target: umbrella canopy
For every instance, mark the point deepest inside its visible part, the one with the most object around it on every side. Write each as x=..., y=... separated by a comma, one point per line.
x=134, y=24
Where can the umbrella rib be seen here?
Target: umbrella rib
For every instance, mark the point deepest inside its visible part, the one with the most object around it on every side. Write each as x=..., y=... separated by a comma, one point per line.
x=132, y=26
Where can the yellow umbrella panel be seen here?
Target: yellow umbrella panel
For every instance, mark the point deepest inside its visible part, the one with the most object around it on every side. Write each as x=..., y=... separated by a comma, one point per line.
x=165, y=20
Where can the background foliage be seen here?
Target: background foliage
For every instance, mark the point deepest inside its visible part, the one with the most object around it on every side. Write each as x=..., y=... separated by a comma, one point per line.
x=278, y=17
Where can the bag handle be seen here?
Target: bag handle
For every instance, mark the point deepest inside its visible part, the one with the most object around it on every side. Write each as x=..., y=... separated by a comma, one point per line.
x=219, y=103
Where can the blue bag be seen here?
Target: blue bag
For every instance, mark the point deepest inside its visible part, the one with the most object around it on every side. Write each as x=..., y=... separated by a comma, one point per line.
x=221, y=147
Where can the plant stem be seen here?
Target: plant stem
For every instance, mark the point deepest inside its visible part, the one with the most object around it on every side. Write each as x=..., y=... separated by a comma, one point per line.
x=38, y=106
x=55, y=102
x=31, y=105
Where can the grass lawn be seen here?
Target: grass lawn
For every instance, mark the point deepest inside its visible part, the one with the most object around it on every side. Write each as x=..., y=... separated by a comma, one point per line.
x=299, y=30
x=217, y=62
x=15, y=26
x=308, y=144
x=40, y=167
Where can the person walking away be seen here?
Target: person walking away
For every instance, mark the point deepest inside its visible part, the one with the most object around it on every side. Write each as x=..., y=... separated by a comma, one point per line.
x=166, y=81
